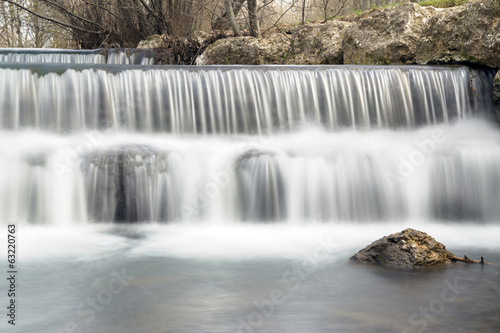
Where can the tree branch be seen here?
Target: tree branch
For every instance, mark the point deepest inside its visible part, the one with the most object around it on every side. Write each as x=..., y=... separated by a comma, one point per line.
x=337, y=13
x=64, y=10
x=279, y=18
x=105, y=9
x=150, y=10
x=56, y=21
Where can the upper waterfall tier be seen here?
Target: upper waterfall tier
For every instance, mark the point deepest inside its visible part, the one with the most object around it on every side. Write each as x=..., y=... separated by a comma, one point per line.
x=229, y=100
x=61, y=56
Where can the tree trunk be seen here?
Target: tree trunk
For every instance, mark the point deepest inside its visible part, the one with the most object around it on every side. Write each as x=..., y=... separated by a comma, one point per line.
x=228, y=8
x=254, y=19
x=303, y=20
x=224, y=20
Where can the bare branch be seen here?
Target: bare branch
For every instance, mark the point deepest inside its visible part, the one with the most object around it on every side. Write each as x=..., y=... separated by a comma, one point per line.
x=104, y=8
x=281, y=16
x=56, y=21
x=337, y=13
x=67, y=12
x=150, y=10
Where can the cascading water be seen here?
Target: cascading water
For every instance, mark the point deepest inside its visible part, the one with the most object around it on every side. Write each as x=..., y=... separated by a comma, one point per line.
x=299, y=165
x=311, y=175
x=133, y=184
x=237, y=100
x=364, y=178
x=59, y=56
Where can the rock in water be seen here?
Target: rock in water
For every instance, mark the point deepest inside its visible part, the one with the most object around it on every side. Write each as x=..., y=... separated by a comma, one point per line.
x=406, y=249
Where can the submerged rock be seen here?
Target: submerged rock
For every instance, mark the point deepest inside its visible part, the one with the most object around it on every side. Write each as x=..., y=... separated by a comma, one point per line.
x=132, y=183
x=261, y=187
x=406, y=249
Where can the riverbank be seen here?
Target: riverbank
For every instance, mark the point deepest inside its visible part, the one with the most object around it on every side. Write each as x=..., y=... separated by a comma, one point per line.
x=406, y=34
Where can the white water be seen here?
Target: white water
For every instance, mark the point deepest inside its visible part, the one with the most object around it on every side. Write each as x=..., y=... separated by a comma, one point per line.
x=235, y=100
x=437, y=173
x=351, y=155
x=232, y=242
x=61, y=56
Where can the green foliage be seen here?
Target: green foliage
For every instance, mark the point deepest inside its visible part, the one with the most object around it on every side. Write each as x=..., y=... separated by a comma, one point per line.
x=434, y=3
x=358, y=12
x=442, y=3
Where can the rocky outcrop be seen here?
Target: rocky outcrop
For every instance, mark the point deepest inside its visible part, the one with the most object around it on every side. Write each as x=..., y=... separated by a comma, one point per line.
x=496, y=94
x=152, y=42
x=464, y=34
x=317, y=44
x=307, y=45
x=410, y=34
x=246, y=50
x=407, y=249
x=386, y=36
x=405, y=34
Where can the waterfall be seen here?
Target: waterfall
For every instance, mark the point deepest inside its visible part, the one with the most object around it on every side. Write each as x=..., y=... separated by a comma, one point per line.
x=261, y=187
x=311, y=175
x=130, y=184
x=100, y=56
x=114, y=142
x=227, y=100
x=465, y=185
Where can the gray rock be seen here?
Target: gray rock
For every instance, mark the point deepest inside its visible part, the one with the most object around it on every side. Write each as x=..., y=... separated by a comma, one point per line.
x=386, y=36
x=152, y=42
x=246, y=51
x=317, y=44
x=309, y=45
x=464, y=34
x=410, y=33
x=407, y=249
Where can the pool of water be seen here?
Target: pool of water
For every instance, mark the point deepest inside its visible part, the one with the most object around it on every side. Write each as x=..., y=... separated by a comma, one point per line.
x=248, y=278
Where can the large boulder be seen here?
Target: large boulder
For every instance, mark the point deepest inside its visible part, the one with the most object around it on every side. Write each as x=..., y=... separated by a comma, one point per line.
x=406, y=249
x=496, y=94
x=386, y=36
x=464, y=34
x=317, y=44
x=246, y=50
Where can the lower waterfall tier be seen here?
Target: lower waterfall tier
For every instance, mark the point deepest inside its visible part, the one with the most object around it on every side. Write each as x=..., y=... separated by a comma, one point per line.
x=438, y=173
